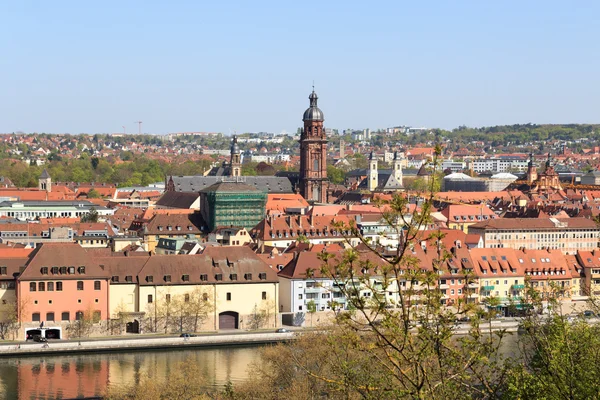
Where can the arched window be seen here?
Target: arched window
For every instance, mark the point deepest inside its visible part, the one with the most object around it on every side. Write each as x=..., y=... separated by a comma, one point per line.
x=316, y=164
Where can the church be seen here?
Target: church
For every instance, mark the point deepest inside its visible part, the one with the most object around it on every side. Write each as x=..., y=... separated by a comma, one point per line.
x=311, y=181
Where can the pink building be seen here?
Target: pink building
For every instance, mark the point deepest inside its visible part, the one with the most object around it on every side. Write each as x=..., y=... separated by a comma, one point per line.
x=60, y=282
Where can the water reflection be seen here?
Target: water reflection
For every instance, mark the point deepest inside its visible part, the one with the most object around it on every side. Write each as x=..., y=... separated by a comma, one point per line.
x=88, y=375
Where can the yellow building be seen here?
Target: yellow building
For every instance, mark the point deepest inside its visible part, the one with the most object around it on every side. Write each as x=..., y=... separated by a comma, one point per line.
x=232, y=284
x=179, y=226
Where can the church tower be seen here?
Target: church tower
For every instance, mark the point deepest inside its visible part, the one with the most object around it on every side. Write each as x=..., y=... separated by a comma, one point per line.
x=398, y=168
x=373, y=173
x=235, y=162
x=531, y=170
x=44, y=181
x=313, y=154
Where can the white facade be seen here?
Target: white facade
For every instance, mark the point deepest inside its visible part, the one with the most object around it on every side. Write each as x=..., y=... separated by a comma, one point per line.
x=499, y=165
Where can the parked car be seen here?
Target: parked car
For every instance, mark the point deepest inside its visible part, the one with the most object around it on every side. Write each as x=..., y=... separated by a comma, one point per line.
x=39, y=339
x=589, y=314
x=187, y=335
x=282, y=330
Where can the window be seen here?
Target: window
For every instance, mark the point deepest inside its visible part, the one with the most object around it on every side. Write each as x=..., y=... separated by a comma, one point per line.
x=115, y=278
x=300, y=297
x=81, y=270
x=71, y=270
x=168, y=298
x=50, y=287
x=59, y=286
x=42, y=287
x=79, y=285
x=150, y=299
x=54, y=270
x=264, y=295
x=262, y=276
x=66, y=316
x=49, y=316
x=205, y=296
x=167, y=278
x=79, y=315
x=63, y=270
x=228, y=296
x=97, y=285
x=186, y=298
x=185, y=278
x=204, y=277
x=128, y=278
x=233, y=277
x=35, y=317
x=218, y=277
x=149, y=278
x=97, y=316
x=3, y=271
x=248, y=277
x=32, y=287
x=44, y=270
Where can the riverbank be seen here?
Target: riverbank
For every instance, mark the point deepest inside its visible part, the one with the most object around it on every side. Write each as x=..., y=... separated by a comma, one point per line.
x=166, y=342
x=140, y=343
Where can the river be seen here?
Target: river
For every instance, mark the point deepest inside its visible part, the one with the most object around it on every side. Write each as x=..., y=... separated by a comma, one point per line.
x=80, y=375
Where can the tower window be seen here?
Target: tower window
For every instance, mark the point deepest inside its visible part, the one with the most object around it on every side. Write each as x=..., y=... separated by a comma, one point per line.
x=316, y=164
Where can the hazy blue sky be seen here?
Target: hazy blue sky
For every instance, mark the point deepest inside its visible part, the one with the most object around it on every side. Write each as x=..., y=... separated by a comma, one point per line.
x=93, y=66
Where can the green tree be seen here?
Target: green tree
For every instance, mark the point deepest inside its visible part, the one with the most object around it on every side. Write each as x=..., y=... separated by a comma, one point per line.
x=335, y=175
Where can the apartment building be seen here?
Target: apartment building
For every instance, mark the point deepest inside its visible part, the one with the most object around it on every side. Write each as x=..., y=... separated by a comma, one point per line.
x=568, y=235
x=460, y=216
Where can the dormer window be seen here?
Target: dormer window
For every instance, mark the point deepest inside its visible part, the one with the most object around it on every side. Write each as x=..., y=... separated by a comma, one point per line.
x=54, y=270
x=185, y=278
x=178, y=228
x=218, y=277
x=248, y=276
x=170, y=228
x=129, y=278
x=160, y=228
x=203, y=277
x=233, y=277
x=71, y=270
x=81, y=270
x=189, y=228
x=149, y=278
x=262, y=276
x=167, y=278
x=44, y=270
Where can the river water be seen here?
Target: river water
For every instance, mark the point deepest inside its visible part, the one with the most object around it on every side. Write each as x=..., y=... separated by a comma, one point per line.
x=80, y=375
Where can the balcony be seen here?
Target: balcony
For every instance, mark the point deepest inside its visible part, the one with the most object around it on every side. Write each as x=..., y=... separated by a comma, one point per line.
x=473, y=285
x=487, y=288
x=313, y=289
x=518, y=287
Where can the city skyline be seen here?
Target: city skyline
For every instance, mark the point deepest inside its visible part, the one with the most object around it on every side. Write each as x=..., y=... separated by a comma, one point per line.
x=247, y=68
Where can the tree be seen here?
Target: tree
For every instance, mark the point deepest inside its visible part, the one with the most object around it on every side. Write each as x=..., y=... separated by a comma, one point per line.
x=335, y=175
x=379, y=348
x=83, y=325
x=311, y=307
x=91, y=216
x=93, y=194
x=257, y=318
x=9, y=322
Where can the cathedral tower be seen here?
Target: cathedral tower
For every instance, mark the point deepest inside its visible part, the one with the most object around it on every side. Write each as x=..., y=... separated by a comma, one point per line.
x=313, y=154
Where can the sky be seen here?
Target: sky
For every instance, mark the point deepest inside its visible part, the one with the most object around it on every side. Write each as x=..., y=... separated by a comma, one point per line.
x=248, y=66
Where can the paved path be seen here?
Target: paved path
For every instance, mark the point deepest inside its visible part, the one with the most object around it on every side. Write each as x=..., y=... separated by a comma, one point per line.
x=141, y=342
